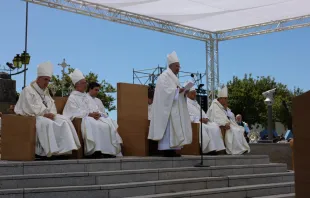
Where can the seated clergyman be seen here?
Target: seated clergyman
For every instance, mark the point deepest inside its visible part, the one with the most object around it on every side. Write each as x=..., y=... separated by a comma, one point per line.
x=100, y=135
x=220, y=114
x=212, y=136
x=56, y=134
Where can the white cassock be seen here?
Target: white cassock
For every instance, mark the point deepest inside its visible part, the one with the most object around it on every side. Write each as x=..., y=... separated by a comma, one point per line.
x=234, y=139
x=54, y=137
x=96, y=105
x=149, y=112
x=99, y=135
x=212, y=136
x=170, y=121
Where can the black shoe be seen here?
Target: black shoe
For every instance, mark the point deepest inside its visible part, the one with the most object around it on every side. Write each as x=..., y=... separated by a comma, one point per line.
x=171, y=153
x=108, y=156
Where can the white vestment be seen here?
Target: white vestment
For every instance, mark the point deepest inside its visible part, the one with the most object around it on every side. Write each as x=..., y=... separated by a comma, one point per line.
x=234, y=139
x=54, y=137
x=170, y=123
x=212, y=136
x=99, y=135
x=149, y=112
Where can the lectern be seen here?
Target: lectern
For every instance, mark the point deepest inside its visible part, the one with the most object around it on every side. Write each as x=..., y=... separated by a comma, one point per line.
x=301, y=132
x=132, y=118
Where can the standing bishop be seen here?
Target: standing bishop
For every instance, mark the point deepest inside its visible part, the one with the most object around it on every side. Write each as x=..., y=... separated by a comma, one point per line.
x=99, y=134
x=170, y=121
x=56, y=134
x=220, y=114
x=212, y=136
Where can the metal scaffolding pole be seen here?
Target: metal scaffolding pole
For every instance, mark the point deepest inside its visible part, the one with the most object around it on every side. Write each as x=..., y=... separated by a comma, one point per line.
x=212, y=69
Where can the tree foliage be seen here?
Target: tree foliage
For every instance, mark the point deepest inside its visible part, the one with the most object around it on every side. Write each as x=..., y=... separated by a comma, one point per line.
x=245, y=98
x=104, y=94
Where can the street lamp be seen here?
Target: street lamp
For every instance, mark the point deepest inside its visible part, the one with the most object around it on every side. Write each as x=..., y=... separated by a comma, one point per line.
x=21, y=59
x=17, y=62
x=269, y=101
x=25, y=58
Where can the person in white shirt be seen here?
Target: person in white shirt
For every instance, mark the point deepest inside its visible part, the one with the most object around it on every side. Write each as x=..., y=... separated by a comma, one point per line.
x=100, y=135
x=220, y=114
x=56, y=134
x=170, y=122
x=97, y=106
x=150, y=101
x=213, y=142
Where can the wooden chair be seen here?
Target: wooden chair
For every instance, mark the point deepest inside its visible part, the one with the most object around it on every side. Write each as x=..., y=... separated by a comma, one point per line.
x=194, y=147
x=19, y=135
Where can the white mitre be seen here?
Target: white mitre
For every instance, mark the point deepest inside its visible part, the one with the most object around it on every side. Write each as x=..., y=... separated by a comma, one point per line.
x=172, y=58
x=76, y=76
x=191, y=89
x=45, y=69
x=223, y=93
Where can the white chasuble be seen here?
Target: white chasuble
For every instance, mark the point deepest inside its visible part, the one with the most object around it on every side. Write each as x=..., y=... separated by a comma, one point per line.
x=99, y=135
x=54, y=137
x=170, y=123
x=234, y=139
x=212, y=136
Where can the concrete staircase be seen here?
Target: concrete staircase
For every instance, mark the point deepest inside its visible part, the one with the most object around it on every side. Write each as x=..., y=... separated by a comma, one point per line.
x=227, y=176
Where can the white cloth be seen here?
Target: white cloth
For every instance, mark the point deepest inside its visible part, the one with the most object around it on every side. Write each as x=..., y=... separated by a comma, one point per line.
x=76, y=76
x=230, y=114
x=45, y=69
x=54, y=137
x=99, y=135
x=212, y=136
x=172, y=58
x=234, y=139
x=170, y=117
x=223, y=93
x=149, y=111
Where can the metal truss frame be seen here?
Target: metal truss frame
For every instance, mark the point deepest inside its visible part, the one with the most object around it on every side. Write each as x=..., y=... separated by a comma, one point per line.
x=212, y=64
x=211, y=38
x=149, y=76
x=264, y=28
x=124, y=17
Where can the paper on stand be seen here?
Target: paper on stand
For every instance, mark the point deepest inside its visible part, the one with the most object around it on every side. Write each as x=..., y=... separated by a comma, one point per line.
x=188, y=86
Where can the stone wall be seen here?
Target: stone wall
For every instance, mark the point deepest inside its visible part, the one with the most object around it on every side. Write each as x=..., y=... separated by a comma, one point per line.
x=7, y=93
x=278, y=152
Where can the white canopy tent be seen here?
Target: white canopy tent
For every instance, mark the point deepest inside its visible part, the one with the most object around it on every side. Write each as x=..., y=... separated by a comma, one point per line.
x=210, y=21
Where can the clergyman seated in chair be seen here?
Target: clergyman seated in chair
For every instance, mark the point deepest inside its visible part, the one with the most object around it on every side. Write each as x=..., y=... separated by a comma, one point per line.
x=55, y=133
x=97, y=106
x=101, y=138
x=212, y=137
x=220, y=114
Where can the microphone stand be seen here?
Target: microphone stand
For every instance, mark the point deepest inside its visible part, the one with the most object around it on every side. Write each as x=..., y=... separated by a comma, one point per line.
x=200, y=93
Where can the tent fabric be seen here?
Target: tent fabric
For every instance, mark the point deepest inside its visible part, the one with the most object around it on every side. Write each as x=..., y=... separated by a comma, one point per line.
x=213, y=15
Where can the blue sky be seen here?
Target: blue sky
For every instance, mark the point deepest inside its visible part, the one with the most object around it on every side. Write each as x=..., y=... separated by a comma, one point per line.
x=112, y=50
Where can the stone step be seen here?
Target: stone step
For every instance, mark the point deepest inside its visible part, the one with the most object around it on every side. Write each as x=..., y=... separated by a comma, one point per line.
x=124, y=163
x=231, y=192
x=290, y=195
x=109, y=192
x=125, y=176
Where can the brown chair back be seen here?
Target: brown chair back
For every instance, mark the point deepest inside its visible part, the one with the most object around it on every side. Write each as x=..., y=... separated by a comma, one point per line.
x=60, y=103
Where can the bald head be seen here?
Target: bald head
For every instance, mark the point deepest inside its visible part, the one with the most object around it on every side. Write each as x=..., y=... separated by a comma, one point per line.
x=239, y=118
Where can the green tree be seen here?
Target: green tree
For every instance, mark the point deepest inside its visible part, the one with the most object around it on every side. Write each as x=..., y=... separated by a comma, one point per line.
x=245, y=98
x=104, y=94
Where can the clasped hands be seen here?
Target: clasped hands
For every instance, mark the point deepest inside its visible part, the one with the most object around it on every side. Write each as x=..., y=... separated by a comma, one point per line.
x=49, y=116
x=95, y=115
x=182, y=90
x=204, y=120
